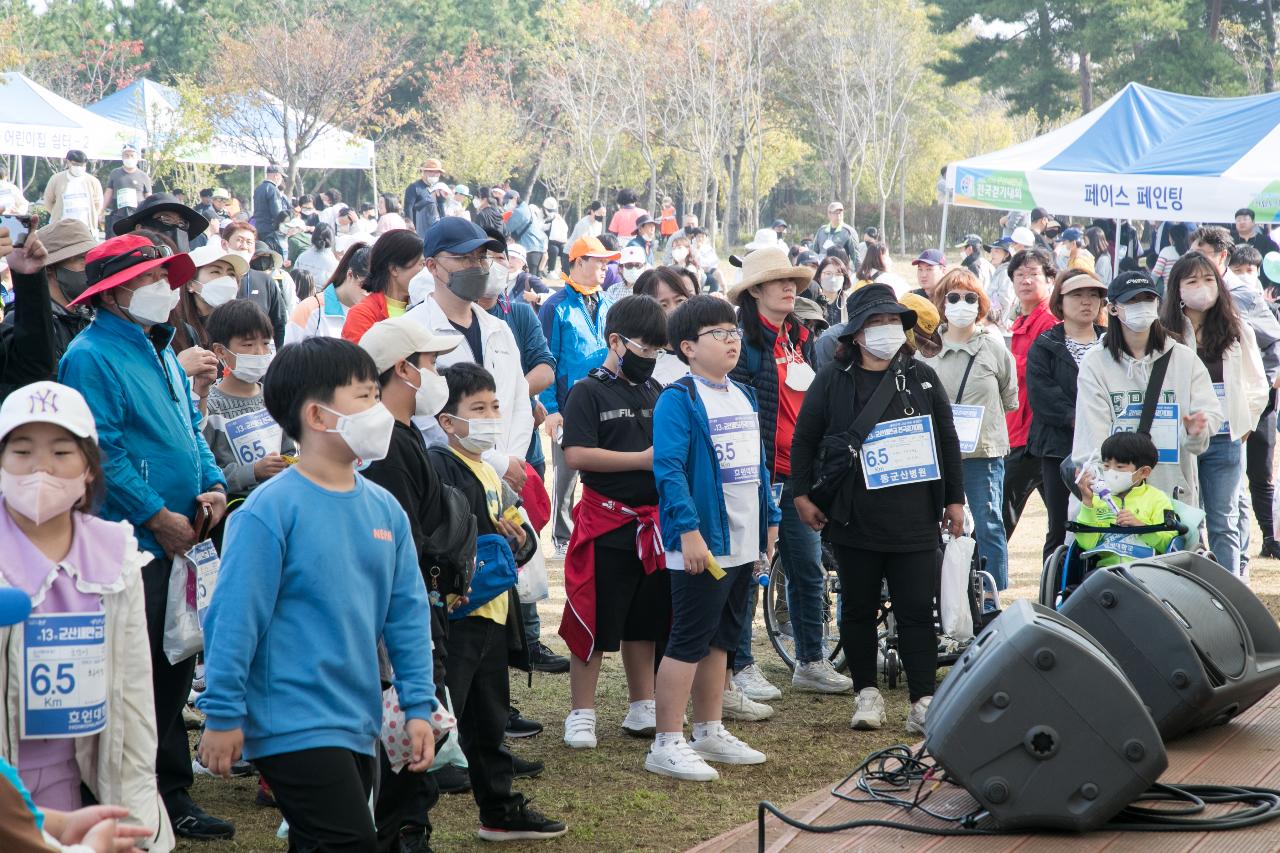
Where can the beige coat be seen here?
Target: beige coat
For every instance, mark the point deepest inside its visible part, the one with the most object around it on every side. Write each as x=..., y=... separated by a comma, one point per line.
x=57, y=187
x=119, y=764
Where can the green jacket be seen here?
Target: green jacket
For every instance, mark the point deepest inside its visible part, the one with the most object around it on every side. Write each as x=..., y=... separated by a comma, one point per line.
x=1148, y=504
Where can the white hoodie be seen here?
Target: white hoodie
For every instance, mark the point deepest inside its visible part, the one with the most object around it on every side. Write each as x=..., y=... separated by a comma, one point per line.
x=1106, y=387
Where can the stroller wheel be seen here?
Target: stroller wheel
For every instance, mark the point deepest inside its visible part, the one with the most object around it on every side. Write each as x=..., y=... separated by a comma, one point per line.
x=892, y=668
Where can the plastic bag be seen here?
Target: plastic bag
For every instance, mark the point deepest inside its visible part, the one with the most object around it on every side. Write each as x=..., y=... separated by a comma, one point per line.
x=395, y=737
x=957, y=619
x=191, y=582
x=531, y=583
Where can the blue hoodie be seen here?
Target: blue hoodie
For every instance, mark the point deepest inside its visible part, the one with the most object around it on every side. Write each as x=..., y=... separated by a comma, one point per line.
x=576, y=343
x=690, y=495
x=153, y=453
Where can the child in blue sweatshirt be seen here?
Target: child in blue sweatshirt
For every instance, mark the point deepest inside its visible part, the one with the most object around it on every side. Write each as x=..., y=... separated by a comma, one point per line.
x=317, y=566
x=718, y=519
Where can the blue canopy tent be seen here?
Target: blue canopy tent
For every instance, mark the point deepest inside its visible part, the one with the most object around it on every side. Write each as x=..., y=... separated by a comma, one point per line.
x=1144, y=154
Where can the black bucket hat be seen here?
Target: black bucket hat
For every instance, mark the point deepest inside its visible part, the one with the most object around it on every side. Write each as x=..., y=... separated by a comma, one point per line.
x=162, y=203
x=869, y=301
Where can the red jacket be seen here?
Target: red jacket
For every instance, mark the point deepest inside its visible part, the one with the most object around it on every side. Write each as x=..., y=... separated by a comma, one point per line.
x=594, y=516
x=1026, y=329
x=372, y=309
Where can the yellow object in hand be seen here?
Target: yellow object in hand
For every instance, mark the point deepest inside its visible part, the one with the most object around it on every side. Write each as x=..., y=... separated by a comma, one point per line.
x=512, y=514
x=713, y=568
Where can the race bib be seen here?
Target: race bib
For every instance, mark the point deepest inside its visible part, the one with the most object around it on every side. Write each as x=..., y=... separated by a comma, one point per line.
x=1123, y=545
x=737, y=442
x=900, y=451
x=253, y=436
x=75, y=204
x=968, y=426
x=204, y=559
x=64, y=666
x=1165, y=428
x=1220, y=388
x=126, y=197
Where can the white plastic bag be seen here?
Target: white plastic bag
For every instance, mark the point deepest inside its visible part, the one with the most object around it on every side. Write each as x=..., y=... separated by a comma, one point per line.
x=957, y=618
x=531, y=579
x=191, y=581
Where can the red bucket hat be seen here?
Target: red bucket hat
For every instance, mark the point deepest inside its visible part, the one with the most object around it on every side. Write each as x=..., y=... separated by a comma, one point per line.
x=120, y=259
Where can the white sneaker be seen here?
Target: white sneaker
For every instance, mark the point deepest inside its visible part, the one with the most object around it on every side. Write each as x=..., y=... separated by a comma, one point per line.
x=580, y=730
x=919, y=714
x=723, y=748
x=820, y=677
x=869, y=714
x=735, y=705
x=642, y=719
x=679, y=761
x=755, y=685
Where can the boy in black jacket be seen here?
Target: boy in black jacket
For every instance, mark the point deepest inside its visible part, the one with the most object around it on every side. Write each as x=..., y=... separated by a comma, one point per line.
x=482, y=628
x=405, y=355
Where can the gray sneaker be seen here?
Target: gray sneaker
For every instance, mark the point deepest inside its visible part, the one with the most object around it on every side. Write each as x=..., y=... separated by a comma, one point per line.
x=919, y=715
x=869, y=714
x=735, y=705
x=753, y=683
x=820, y=677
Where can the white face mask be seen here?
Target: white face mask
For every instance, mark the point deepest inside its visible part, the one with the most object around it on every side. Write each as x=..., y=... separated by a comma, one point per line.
x=130, y=162
x=832, y=283
x=1199, y=298
x=251, y=368
x=219, y=291
x=1117, y=482
x=679, y=253
x=884, y=341
x=152, y=303
x=76, y=171
x=431, y=395
x=248, y=256
x=483, y=433
x=496, y=284
x=1138, y=316
x=962, y=314
x=367, y=433
x=631, y=276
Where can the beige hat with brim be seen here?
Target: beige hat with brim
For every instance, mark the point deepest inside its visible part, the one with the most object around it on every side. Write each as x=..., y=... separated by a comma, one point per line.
x=66, y=239
x=769, y=264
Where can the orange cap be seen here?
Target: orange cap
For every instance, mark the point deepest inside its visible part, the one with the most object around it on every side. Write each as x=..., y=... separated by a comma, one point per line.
x=591, y=247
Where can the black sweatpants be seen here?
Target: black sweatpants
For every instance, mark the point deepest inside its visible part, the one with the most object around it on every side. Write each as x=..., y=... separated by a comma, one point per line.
x=1056, y=497
x=913, y=578
x=1259, y=453
x=1021, y=478
x=171, y=684
x=481, y=693
x=324, y=794
x=403, y=805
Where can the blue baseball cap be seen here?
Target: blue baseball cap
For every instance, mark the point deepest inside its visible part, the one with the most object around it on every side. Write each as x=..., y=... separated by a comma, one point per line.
x=457, y=236
x=932, y=257
x=1002, y=243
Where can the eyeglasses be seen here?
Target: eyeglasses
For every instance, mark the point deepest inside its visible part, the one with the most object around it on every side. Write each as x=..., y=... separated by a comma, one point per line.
x=955, y=296
x=468, y=261
x=641, y=349
x=104, y=267
x=724, y=336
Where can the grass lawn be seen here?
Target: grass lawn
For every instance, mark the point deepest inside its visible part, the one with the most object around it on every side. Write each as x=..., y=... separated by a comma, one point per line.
x=607, y=798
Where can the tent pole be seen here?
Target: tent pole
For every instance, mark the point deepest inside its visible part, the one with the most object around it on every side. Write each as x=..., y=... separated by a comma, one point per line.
x=942, y=234
x=1115, y=251
x=373, y=179
x=253, y=185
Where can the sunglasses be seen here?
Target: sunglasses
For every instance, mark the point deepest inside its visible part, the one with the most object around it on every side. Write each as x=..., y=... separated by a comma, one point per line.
x=969, y=296
x=105, y=267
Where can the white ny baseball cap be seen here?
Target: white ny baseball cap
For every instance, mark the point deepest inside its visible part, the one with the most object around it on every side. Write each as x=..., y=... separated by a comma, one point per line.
x=47, y=403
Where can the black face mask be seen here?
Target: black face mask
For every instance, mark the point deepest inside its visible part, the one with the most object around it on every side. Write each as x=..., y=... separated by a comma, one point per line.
x=636, y=368
x=599, y=217
x=72, y=283
x=178, y=234
x=261, y=264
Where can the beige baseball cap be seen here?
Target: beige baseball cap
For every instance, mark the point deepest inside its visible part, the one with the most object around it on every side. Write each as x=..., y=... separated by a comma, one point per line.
x=396, y=339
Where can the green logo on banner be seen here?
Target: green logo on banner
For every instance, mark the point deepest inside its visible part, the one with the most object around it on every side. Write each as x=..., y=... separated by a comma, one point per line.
x=1266, y=204
x=994, y=189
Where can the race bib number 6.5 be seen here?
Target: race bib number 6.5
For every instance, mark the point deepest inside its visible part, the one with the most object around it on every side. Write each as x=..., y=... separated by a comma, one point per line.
x=64, y=675
x=900, y=451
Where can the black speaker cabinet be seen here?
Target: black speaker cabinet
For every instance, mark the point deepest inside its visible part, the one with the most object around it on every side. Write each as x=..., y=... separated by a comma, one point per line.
x=1041, y=726
x=1197, y=644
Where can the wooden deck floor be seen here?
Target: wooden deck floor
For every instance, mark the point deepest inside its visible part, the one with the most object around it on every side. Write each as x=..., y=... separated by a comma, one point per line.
x=1246, y=752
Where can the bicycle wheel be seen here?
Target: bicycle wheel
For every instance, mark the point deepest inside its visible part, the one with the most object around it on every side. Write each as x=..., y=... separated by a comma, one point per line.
x=777, y=615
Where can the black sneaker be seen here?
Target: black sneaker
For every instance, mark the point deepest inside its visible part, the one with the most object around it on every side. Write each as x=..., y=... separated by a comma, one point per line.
x=518, y=726
x=1270, y=548
x=522, y=824
x=414, y=843
x=452, y=779
x=545, y=660
x=191, y=821
x=524, y=768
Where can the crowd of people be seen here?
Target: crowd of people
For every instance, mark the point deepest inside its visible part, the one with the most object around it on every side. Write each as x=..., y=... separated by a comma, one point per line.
x=306, y=414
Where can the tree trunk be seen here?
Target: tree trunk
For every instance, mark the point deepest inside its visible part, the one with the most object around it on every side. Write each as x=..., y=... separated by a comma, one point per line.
x=1086, y=83
x=653, y=184
x=902, y=212
x=713, y=208
x=1213, y=15
x=1269, y=59
x=732, y=211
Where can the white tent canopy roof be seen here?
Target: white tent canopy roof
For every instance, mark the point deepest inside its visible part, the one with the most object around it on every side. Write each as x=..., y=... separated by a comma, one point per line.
x=35, y=122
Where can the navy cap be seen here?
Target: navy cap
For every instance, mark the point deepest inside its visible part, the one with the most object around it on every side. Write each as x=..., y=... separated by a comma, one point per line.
x=457, y=236
x=1070, y=235
x=1002, y=243
x=1129, y=284
x=779, y=223
x=932, y=257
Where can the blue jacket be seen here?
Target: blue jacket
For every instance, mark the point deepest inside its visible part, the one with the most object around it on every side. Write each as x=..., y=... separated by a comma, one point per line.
x=576, y=343
x=690, y=495
x=153, y=454
x=522, y=228
x=519, y=315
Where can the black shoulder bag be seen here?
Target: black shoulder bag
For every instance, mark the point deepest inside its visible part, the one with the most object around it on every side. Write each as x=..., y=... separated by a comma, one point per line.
x=1152, y=397
x=450, y=549
x=838, y=453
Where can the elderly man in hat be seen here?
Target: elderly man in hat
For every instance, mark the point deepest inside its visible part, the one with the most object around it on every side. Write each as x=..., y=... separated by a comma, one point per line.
x=423, y=205
x=776, y=361
x=268, y=204
x=126, y=186
x=67, y=242
x=160, y=475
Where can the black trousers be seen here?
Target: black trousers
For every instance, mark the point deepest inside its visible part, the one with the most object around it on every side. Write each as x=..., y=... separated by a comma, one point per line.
x=1021, y=478
x=913, y=578
x=171, y=684
x=1259, y=453
x=534, y=262
x=1056, y=495
x=403, y=805
x=554, y=250
x=324, y=794
x=478, y=683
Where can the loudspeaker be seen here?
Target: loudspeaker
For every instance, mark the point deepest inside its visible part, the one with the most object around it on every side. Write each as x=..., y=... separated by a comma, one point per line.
x=1197, y=644
x=1041, y=726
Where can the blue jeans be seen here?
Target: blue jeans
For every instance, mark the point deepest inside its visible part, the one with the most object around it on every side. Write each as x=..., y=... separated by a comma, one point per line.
x=984, y=491
x=800, y=548
x=1220, y=469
